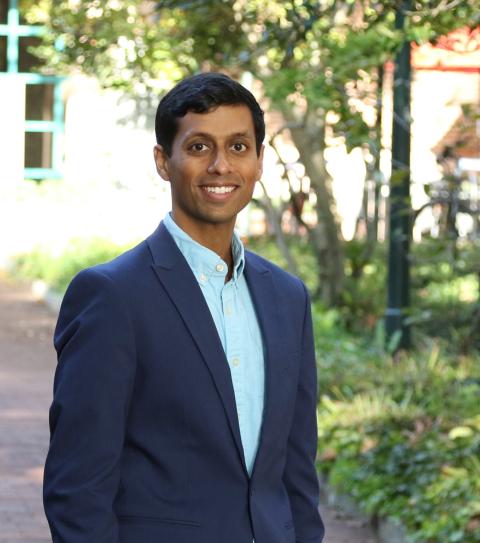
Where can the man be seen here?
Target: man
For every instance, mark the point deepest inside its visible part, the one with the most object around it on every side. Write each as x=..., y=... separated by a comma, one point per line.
x=185, y=393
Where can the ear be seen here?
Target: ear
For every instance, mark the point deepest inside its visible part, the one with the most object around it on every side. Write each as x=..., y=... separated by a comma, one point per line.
x=260, y=163
x=161, y=161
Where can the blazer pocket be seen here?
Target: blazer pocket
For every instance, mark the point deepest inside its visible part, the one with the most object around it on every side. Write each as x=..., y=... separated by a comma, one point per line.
x=138, y=519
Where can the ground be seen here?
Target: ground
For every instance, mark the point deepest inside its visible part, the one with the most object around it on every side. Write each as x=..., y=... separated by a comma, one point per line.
x=27, y=363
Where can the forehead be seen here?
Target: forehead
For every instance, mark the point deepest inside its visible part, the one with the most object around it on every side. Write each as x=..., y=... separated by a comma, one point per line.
x=220, y=123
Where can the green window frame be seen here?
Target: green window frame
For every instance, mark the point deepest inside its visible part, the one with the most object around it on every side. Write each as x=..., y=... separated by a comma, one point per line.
x=13, y=31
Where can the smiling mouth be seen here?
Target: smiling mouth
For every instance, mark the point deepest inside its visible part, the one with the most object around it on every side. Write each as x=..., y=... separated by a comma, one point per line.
x=219, y=190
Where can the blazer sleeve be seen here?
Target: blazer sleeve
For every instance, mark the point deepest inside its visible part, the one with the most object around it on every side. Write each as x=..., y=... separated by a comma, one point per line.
x=300, y=476
x=92, y=388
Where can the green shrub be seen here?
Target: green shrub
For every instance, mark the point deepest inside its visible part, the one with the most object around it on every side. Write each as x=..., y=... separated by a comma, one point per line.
x=402, y=436
x=58, y=270
x=301, y=252
x=444, y=295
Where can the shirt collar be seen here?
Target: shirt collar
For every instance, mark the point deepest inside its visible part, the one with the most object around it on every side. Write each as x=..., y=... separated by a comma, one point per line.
x=204, y=262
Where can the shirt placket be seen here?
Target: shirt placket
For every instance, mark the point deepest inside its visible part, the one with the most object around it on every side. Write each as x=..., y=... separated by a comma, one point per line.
x=235, y=352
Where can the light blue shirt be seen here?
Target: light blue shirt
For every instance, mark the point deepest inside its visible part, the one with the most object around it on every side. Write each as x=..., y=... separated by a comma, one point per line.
x=236, y=321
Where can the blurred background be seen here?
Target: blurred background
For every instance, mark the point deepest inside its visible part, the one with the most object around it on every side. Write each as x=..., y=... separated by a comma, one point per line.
x=370, y=193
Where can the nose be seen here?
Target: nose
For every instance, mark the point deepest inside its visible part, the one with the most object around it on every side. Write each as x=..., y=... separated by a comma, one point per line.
x=219, y=164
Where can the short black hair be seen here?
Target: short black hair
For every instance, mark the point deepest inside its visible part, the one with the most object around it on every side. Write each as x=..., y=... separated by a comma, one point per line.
x=202, y=93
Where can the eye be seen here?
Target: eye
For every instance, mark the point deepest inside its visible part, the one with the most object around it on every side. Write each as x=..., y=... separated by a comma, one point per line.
x=198, y=147
x=239, y=147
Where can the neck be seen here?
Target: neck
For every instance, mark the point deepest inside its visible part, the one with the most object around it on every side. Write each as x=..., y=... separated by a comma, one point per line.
x=216, y=237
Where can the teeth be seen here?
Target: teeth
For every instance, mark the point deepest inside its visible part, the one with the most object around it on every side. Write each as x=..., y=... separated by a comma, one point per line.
x=219, y=190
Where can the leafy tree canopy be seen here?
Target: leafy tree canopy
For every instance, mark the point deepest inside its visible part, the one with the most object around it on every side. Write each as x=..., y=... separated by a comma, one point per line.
x=299, y=48
x=318, y=60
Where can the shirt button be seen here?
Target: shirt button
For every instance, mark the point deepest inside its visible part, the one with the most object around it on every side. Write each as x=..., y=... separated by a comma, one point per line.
x=236, y=362
x=219, y=267
x=229, y=310
x=203, y=278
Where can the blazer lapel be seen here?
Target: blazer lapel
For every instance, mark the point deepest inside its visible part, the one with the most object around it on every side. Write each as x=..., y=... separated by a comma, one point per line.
x=265, y=299
x=183, y=290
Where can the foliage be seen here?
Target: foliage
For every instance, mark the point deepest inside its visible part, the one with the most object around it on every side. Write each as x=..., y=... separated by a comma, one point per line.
x=364, y=295
x=148, y=37
x=318, y=62
x=300, y=250
x=58, y=270
x=444, y=294
x=300, y=49
x=402, y=436
x=443, y=301
x=446, y=282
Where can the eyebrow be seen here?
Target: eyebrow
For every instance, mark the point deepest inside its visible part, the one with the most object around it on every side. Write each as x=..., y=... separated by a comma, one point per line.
x=228, y=136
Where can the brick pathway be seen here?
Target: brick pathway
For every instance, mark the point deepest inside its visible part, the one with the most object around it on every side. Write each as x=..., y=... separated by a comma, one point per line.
x=27, y=362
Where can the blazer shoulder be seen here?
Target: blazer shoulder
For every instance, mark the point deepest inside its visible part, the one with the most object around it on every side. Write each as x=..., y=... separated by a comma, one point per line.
x=126, y=262
x=121, y=273
x=283, y=278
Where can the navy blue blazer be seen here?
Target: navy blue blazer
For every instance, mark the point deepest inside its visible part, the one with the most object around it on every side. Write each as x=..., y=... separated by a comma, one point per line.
x=145, y=443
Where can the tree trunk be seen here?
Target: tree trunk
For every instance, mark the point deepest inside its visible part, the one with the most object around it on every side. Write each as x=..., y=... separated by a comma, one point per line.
x=275, y=221
x=372, y=192
x=377, y=176
x=325, y=237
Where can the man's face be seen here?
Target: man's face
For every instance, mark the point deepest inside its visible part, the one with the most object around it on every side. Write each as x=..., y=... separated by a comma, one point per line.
x=212, y=168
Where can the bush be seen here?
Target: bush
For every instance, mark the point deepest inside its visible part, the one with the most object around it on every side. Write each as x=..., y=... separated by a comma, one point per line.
x=402, y=436
x=444, y=301
x=301, y=252
x=58, y=270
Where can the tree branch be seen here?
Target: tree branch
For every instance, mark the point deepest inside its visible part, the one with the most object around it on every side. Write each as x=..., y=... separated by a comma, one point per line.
x=444, y=5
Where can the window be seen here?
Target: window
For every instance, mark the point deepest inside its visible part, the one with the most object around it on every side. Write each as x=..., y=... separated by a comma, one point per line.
x=3, y=53
x=38, y=150
x=3, y=12
x=39, y=102
x=44, y=105
x=27, y=62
